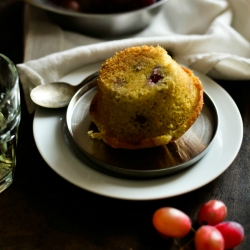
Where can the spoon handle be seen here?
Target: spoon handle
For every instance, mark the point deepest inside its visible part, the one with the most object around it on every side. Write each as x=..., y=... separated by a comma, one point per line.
x=87, y=79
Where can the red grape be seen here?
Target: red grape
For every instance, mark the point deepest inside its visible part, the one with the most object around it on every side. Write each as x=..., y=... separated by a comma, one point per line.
x=208, y=238
x=171, y=222
x=71, y=4
x=232, y=232
x=212, y=213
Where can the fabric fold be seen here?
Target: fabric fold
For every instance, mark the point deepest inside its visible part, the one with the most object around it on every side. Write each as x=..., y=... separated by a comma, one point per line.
x=202, y=35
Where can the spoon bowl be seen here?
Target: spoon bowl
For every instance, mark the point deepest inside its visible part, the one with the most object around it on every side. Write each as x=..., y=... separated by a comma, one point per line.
x=53, y=95
x=57, y=94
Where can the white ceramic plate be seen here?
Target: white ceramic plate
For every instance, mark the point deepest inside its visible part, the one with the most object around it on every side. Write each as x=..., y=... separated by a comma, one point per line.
x=49, y=138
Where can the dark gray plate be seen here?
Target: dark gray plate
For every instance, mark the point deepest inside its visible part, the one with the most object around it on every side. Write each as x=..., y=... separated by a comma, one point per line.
x=145, y=163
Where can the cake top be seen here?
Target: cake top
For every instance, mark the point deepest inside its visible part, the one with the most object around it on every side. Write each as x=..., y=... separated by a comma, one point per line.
x=136, y=70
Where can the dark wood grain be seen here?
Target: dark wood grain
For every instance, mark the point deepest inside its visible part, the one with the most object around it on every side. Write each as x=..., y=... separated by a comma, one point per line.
x=40, y=210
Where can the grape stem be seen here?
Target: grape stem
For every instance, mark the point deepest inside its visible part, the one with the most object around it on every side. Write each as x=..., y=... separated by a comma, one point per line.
x=187, y=244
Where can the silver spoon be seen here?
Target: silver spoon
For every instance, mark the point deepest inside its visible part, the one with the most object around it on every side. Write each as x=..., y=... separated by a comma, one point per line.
x=57, y=94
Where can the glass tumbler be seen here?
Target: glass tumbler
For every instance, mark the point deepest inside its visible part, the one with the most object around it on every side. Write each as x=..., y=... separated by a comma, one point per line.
x=10, y=115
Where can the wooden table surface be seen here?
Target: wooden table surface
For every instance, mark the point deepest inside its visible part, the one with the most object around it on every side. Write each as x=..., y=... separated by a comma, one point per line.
x=40, y=210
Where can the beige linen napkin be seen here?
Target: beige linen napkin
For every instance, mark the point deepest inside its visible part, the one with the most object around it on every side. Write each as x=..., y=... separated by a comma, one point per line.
x=211, y=36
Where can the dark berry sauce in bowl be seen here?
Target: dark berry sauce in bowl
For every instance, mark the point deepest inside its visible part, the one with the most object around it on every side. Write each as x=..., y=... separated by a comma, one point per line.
x=103, y=6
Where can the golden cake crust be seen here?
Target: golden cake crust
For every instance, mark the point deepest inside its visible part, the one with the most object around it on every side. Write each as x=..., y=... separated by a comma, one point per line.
x=144, y=99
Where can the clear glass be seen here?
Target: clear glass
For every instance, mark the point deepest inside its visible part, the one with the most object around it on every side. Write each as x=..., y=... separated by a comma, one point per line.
x=10, y=115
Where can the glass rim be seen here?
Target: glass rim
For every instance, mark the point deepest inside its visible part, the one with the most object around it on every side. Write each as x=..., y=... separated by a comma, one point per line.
x=14, y=70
